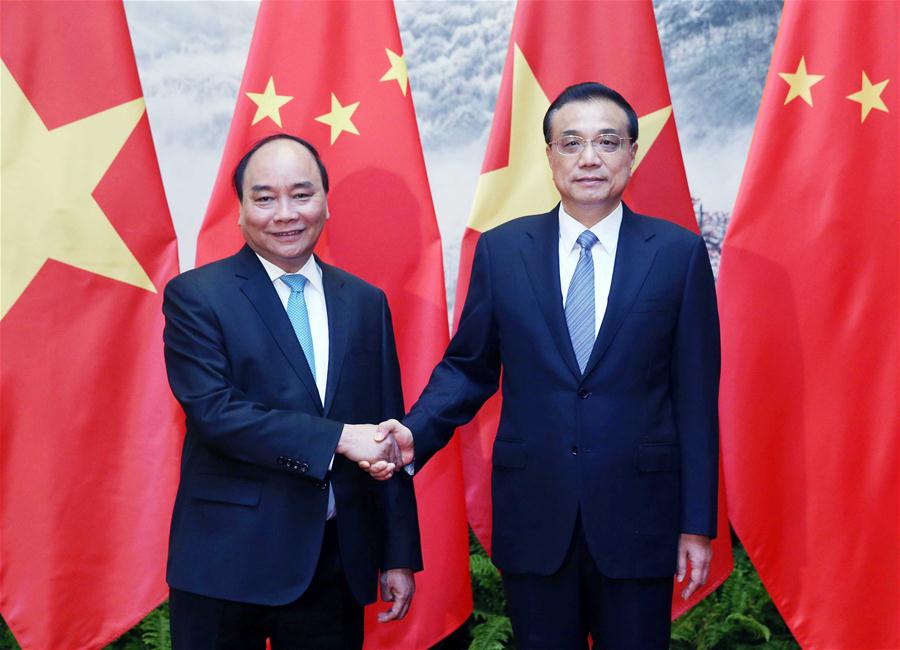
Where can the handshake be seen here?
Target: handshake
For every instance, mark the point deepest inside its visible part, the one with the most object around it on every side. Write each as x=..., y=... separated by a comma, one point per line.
x=378, y=449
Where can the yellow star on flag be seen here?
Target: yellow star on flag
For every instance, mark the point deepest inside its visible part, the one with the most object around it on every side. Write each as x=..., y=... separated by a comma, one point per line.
x=869, y=96
x=525, y=185
x=339, y=118
x=397, y=70
x=800, y=83
x=268, y=103
x=48, y=178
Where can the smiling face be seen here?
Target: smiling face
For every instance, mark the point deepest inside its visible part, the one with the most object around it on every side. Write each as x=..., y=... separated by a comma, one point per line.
x=284, y=207
x=590, y=184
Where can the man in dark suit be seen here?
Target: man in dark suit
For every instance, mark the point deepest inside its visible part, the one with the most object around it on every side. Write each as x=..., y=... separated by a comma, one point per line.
x=276, y=532
x=604, y=324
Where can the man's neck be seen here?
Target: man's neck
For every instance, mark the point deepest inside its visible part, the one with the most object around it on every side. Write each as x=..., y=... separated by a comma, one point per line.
x=590, y=215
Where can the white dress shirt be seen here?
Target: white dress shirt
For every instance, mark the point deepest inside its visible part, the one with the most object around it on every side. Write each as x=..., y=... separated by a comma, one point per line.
x=314, y=294
x=603, y=254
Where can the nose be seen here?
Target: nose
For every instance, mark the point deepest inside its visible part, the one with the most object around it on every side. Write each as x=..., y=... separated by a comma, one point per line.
x=589, y=156
x=284, y=210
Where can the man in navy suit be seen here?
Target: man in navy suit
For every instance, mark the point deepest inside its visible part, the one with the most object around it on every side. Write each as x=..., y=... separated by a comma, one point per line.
x=276, y=533
x=604, y=325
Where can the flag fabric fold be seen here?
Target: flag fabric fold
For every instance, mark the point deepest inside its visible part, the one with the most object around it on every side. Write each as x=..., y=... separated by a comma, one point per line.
x=810, y=302
x=90, y=431
x=554, y=45
x=334, y=74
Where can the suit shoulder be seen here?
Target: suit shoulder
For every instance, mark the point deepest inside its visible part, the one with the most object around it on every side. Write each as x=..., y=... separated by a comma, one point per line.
x=518, y=225
x=210, y=273
x=666, y=230
x=351, y=281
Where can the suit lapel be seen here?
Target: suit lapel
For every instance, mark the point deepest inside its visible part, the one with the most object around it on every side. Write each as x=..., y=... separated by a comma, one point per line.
x=339, y=315
x=541, y=257
x=634, y=256
x=258, y=289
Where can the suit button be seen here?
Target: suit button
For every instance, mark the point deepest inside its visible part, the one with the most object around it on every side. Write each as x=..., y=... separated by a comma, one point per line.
x=303, y=467
x=322, y=486
x=583, y=394
x=574, y=450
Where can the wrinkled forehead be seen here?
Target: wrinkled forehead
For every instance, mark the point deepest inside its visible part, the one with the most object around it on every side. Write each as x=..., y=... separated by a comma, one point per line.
x=589, y=117
x=281, y=161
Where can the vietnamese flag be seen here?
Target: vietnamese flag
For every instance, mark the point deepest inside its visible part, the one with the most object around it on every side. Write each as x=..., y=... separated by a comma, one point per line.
x=90, y=435
x=810, y=303
x=554, y=45
x=334, y=74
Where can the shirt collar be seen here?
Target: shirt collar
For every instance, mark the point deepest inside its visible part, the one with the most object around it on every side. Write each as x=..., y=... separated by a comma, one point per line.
x=607, y=229
x=310, y=270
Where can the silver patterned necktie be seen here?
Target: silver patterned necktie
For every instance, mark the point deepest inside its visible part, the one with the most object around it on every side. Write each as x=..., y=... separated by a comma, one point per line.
x=580, y=310
x=296, y=310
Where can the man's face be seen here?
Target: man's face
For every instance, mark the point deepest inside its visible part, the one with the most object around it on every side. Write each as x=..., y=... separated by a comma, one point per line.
x=284, y=206
x=590, y=183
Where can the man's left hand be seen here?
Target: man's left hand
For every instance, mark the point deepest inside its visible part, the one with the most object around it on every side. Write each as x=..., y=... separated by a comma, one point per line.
x=697, y=550
x=397, y=587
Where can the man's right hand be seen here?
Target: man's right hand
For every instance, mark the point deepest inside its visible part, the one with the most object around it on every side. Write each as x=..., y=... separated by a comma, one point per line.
x=403, y=438
x=363, y=443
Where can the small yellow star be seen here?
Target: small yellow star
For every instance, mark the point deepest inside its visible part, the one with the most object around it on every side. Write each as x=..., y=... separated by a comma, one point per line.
x=268, y=103
x=339, y=118
x=869, y=96
x=800, y=83
x=397, y=71
x=49, y=177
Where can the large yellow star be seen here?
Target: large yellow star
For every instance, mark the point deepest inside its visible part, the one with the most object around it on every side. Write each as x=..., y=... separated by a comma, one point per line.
x=339, y=118
x=48, y=177
x=268, y=103
x=869, y=96
x=397, y=70
x=800, y=83
x=525, y=185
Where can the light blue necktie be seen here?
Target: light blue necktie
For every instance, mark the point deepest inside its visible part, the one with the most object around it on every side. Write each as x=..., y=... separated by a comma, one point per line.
x=580, y=310
x=296, y=310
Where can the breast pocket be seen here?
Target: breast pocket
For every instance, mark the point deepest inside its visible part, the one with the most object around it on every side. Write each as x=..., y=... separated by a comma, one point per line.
x=646, y=305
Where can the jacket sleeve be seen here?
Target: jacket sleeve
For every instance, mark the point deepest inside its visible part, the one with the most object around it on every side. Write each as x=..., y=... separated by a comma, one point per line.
x=401, y=547
x=696, y=361
x=468, y=374
x=218, y=413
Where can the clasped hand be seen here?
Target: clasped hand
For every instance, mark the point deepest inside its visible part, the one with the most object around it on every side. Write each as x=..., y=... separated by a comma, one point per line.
x=380, y=450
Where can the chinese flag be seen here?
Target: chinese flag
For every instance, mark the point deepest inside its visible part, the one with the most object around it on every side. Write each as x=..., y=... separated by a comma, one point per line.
x=90, y=435
x=554, y=45
x=334, y=74
x=809, y=300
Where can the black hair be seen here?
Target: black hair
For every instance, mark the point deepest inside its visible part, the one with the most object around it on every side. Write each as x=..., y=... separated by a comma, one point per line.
x=237, y=179
x=591, y=91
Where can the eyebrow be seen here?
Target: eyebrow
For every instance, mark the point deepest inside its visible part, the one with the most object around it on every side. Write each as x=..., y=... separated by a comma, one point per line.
x=268, y=188
x=603, y=131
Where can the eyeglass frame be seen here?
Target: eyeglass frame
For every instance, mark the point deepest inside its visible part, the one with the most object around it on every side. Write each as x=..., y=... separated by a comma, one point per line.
x=584, y=141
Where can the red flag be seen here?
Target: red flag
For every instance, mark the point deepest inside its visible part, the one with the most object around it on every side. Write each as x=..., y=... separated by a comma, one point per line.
x=91, y=433
x=554, y=45
x=809, y=302
x=333, y=73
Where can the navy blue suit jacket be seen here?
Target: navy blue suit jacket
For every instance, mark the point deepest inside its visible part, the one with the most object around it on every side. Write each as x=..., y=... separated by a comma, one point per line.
x=632, y=443
x=251, y=505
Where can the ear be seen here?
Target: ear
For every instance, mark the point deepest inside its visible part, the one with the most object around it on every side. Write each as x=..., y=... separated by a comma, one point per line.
x=549, y=151
x=327, y=211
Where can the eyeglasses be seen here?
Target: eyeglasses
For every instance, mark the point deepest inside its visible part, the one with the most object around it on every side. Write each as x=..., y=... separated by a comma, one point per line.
x=605, y=143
